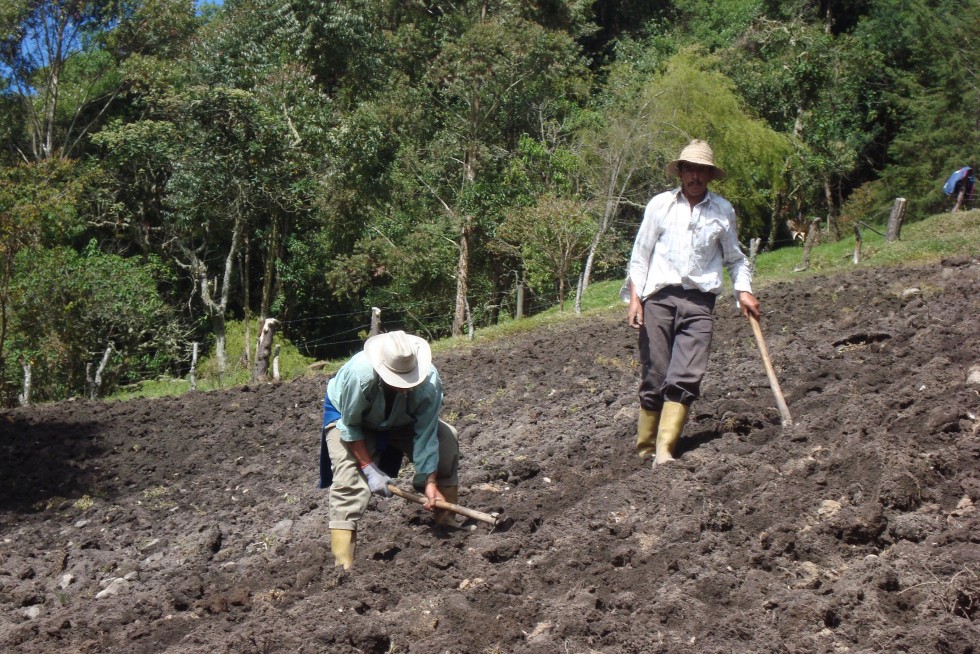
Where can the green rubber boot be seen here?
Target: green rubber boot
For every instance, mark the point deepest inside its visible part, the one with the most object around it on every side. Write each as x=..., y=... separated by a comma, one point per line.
x=342, y=543
x=672, y=419
x=646, y=433
x=447, y=518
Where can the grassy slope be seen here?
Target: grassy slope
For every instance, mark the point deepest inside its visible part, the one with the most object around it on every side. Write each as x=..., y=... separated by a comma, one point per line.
x=938, y=237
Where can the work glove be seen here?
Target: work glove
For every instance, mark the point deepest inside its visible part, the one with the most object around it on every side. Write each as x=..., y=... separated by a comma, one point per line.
x=377, y=480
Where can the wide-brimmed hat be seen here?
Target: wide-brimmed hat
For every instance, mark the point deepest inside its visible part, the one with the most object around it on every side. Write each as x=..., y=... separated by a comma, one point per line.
x=400, y=359
x=696, y=152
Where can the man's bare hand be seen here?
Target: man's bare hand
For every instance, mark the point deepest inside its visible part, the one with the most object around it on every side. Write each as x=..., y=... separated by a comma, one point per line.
x=749, y=304
x=432, y=495
x=634, y=315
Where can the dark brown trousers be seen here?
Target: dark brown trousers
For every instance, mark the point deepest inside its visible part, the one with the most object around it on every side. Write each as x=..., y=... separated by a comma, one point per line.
x=674, y=345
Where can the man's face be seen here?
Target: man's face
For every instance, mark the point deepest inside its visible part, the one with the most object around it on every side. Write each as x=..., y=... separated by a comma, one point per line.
x=694, y=180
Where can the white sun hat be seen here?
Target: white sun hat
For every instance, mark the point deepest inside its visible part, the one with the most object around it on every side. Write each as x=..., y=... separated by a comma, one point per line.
x=400, y=359
x=696, y=152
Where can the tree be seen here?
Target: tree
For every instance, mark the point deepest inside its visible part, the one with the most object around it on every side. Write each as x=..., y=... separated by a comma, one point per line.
x=62, y=60
x=234, y=170
x=37, y=206
x=491, y=84
x=71, y=307
x=550, y=238
x=930, y=51
x=701, y=102
x=621, y=148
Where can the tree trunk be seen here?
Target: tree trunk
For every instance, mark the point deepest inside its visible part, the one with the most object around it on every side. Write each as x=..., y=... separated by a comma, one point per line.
x=96, y=389
x=833, y=224
x=463, y=264
x=25, y=397
x=777, y=220
x=247, y=300
x=218, y=326
x=462, y=270
x=216, y=309
x=269, y=271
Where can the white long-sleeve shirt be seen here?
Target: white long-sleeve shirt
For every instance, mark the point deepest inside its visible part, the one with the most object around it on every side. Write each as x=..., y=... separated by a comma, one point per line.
x=682, y=245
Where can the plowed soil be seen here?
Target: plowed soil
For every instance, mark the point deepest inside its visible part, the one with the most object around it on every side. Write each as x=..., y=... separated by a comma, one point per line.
x=194, y=524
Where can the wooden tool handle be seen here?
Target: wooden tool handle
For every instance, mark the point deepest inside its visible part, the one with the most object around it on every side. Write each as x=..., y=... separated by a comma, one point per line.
x=455, y=508
x=770, y=372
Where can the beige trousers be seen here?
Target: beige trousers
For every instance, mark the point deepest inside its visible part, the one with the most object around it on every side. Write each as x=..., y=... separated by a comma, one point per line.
x=349, y=492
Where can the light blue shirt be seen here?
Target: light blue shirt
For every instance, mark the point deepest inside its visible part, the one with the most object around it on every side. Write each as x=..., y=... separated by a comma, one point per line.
x=356, y=393
x=682, y=245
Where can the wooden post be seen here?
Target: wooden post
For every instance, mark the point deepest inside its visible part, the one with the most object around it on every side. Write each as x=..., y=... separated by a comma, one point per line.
x=519, y=310
x=275, y=363
x=263, y=349
x=194, y=367
x=25, y=397
x=375, y=321
x=895, y=219
x=753, y=252
x=812, y=236
x=857, y=244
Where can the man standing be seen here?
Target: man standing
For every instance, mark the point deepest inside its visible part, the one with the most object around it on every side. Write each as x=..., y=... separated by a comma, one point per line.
x=674, y=276
x=384, y=404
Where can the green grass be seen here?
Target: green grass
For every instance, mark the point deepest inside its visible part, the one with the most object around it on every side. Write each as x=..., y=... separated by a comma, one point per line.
x=292, y=364
x=931, y=240
x=927, y=241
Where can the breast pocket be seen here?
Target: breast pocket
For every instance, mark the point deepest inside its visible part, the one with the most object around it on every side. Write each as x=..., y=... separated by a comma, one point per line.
x=708, y=237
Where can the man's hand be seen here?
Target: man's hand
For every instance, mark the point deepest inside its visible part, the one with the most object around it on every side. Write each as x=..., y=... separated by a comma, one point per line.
x=377, y=480
x=634, y=315
x=432, y=494
x=749, y=304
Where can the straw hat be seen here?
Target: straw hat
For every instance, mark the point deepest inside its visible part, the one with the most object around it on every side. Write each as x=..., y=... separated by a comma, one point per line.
x=696, y=152
x=400, y=359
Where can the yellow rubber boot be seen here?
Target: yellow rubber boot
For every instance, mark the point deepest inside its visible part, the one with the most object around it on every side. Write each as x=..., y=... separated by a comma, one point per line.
x=672, y=419
x=646, y=433
x=443, y=517
x=342, y=542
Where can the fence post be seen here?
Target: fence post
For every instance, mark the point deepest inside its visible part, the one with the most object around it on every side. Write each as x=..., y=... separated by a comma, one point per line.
x=194, y=366
x=375, y=321
x=263, y=349
x=857, y=244
x=275, y=363
x=895, y=219
x=812, y=236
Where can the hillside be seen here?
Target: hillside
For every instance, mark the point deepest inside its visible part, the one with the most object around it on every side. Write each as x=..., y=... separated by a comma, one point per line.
x=193, y=524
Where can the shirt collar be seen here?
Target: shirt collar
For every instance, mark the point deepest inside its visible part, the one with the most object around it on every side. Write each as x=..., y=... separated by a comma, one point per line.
x=679, y=195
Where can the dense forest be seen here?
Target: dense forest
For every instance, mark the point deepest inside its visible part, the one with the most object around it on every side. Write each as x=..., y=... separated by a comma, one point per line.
x=170, y=168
